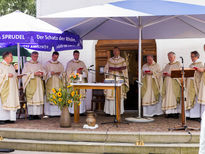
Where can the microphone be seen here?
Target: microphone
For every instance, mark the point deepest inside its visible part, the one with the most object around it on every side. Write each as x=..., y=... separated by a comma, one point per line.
x=182, y=59
x=89, y=68
x=140, y=83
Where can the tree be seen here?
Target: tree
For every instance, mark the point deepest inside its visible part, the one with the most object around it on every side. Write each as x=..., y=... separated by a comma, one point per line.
x=25, y=6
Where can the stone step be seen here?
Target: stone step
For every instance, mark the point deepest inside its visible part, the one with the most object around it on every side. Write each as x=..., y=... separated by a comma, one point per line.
x=99, y=147
x=93, y=136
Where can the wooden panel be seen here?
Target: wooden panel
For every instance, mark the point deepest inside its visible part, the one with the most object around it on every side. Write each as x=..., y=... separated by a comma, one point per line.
x=101, y=53
x=105, y=47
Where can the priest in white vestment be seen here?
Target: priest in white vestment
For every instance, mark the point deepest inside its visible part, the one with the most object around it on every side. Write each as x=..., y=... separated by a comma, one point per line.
x=193, y=108
x=151, y=78
x=54, y=79
x=117, y=66
x=9, y=94
x=171, y=88
x=77, y=66
x=33, y=85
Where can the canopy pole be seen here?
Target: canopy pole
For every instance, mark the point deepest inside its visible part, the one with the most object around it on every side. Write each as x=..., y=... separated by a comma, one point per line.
x=139, y=118
x=18, y=53
x=139, y=67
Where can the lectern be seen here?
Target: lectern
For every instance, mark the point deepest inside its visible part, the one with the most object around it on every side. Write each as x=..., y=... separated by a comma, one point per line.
x=181, y=74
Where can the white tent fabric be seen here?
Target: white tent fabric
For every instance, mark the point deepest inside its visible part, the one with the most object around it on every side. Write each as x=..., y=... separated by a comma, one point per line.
x=160, y=19
x=18, y=21
x=135, y=19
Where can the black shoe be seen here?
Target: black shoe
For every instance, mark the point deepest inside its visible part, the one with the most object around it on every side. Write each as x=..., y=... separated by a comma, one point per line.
x=9, y=122
x=175, y=116
x=82, y=114
x=37, y=117
x=31, y=117
x=196, y=119
x=2, y=122
x=54, y=116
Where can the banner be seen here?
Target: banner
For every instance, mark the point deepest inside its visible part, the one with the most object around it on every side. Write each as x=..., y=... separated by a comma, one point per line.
x=41, y=41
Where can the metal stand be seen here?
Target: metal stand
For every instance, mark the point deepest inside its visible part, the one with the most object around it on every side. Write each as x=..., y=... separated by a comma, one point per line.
x=115, y=122
x=6, y=150
x=183, y=125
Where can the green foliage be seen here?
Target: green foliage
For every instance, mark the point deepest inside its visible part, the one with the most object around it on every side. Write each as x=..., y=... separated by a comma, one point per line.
x=25, y=6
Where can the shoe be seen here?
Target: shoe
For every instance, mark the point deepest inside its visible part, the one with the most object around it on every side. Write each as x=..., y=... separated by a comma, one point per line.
x=196, y=119
x=37, y=117
x=167, y=116
x=82, y=114
x=175, y=116
x=9, y=122
x=31, y=117
x=2, y=122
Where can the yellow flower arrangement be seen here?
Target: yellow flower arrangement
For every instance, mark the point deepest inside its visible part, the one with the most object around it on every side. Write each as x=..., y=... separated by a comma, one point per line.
x=59, y=94
x=72, y=93
x=54, y=91
x=54, y=97
x=74, y=77
x=66, y=96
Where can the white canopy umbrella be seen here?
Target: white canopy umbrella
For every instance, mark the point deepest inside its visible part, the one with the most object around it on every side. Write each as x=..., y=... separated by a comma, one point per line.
x=132, y=19
x=18, y=21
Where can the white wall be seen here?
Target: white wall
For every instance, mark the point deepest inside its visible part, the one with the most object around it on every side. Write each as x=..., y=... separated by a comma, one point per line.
x=182, y=47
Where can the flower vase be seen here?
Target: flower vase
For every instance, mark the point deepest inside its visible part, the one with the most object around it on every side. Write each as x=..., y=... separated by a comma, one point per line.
x=65, y=120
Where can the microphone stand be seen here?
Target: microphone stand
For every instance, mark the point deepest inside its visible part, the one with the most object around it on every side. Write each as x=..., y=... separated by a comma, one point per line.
x=115, y=118
x=115, y=85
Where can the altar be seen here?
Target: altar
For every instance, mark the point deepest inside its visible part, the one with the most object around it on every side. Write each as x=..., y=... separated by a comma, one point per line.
x=99, y=86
